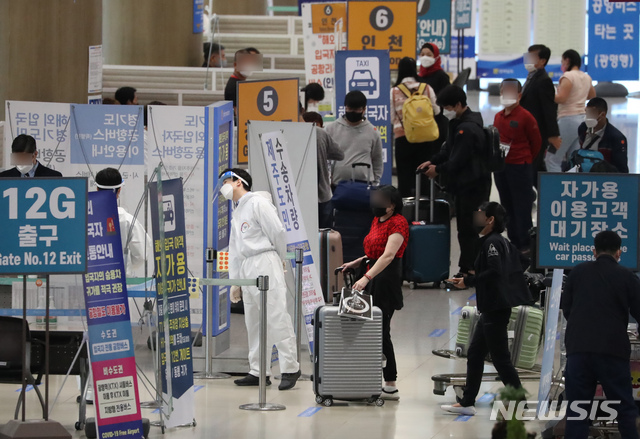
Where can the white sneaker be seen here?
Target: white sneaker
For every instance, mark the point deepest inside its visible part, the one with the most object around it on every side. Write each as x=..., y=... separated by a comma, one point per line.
x=390, y=393
x=465, y=411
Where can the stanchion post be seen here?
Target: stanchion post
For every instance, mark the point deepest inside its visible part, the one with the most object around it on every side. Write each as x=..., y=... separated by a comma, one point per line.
x=299, y=315
x=262, y=405
x=208, y=338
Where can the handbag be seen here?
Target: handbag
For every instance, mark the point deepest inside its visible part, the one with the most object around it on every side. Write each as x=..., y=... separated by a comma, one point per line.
x=355, y=304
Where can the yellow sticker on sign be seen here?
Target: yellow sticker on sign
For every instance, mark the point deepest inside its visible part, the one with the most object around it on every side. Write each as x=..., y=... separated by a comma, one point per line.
x=324, y=17
x=275, y=99
x=389, y=25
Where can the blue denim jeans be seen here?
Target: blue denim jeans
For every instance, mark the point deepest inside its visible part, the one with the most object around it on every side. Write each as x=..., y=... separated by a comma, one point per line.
x=568, y=126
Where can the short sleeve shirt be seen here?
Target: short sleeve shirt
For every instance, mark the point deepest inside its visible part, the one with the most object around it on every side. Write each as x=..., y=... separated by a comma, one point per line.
x=376, y=241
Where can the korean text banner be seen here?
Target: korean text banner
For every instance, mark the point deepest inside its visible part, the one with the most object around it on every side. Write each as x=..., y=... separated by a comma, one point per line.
x=275, y=99
x=285, y=197
x=51, y=124
x=217, y=157
x=175, y=138
x=574, y=207
x=41, y=219
x=368, y=72
x=179, y=353
x=388, y=25
x=434, y=24
x=613, y=40
x=110, y=339
x=320, y=31
x=464, y=14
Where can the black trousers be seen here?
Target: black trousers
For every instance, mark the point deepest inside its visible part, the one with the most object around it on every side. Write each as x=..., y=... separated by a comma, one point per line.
x=325, y=215
x=490, y=337
x=516, y=196
x=466, y=203
x=390, y=372
x=408, y=157
x=584, y=371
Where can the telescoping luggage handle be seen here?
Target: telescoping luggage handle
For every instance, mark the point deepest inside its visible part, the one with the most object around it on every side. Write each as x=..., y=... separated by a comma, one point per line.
x=432, y=198
x=353, y=172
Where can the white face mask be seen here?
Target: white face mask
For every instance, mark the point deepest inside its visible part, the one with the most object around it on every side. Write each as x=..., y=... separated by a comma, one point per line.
x=449, y=114
x=227, y=191
x=591, y=123
x=24, y=169
x=530, y=67
x=507, y=102
x=427, y=61
x=246, y=73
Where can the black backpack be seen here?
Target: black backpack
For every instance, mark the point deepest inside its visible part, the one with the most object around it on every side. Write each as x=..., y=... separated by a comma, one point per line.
x=494, y=154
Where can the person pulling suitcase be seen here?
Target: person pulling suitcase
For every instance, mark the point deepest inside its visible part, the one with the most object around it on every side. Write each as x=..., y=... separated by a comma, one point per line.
x=497, y=291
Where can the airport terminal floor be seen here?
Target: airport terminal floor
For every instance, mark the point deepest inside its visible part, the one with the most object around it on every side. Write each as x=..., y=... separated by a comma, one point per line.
x=428, y=321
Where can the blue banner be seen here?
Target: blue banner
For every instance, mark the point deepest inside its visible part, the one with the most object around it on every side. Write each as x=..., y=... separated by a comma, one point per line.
x=463, y=15
x=110, y=339
x=107, y=134
x=613, y=40
x=508, y=68
x=574, y=207
x=374, y=66
x=40, y=219
x=469, y=50
x=177, y=306
x=198, y=16
x=217, y=157
x=434, y=24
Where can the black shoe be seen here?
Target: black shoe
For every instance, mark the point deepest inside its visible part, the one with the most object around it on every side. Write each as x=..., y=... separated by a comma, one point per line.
x=250, y=380
x=289, y=380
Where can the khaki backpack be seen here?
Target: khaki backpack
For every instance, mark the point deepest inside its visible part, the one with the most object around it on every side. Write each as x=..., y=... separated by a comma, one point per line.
x=417, y=116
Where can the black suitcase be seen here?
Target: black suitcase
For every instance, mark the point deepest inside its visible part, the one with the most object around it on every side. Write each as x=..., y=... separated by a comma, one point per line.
x=353, y=226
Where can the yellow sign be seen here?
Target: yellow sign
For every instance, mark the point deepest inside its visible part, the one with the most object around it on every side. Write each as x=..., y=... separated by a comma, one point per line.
x=324, y=17
x=275, y=99
x=388, y=25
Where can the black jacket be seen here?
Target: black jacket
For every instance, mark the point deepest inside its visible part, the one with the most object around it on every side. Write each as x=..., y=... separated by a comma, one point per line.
x=41, y=171
x=459, y=160
x=538, y=98
x=597, y=299
x=499, y=278
x=613, y=146
x=438, y=80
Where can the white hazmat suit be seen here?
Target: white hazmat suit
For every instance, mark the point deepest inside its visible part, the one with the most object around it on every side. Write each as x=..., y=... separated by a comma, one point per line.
x=257, y=247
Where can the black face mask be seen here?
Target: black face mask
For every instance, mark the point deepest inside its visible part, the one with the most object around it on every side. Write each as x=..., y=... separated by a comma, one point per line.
x=353, y=116
x=379, y=211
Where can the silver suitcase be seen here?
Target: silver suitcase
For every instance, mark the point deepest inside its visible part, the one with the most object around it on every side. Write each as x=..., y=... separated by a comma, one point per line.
x=347, y=357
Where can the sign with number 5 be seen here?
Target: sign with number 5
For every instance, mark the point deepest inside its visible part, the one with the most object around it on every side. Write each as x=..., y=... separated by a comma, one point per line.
x=275, y=100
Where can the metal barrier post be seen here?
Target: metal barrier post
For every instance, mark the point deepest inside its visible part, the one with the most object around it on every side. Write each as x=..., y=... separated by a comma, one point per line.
x=299, y=315
x=208, y=338
x=262, y=405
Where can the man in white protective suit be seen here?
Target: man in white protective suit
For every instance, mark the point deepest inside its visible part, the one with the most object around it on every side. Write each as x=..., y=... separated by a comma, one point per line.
x=257, y=247
x=134, y=249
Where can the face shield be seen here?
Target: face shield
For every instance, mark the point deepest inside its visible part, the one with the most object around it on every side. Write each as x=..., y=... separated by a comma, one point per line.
x=113, y=188
x=221, y=182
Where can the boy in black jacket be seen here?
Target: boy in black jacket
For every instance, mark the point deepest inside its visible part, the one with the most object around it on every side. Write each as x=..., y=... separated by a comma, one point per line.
x=463, y=172
x=500, y=285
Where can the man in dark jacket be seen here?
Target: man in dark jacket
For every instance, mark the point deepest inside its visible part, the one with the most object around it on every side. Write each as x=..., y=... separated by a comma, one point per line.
x=500, y=285
x=464, y=174
x=597, y=133
x=24, y=156
x=538, y=96
x=597, y=299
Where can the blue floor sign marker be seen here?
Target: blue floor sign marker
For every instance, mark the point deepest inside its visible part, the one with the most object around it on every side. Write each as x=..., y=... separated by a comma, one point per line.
x=472, y=297
x=309, y=412
x=438, y=333
x=456, y=311
x=462, y=418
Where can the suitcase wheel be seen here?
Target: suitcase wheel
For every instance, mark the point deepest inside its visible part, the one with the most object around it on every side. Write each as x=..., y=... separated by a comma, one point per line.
x=412, y=285
x=319, y=399
x=328, y=402
x=379, y=402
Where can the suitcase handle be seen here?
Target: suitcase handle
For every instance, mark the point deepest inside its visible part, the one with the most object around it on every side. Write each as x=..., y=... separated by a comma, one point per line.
x=432, y=198
x=348, y=274
x=366, y=165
